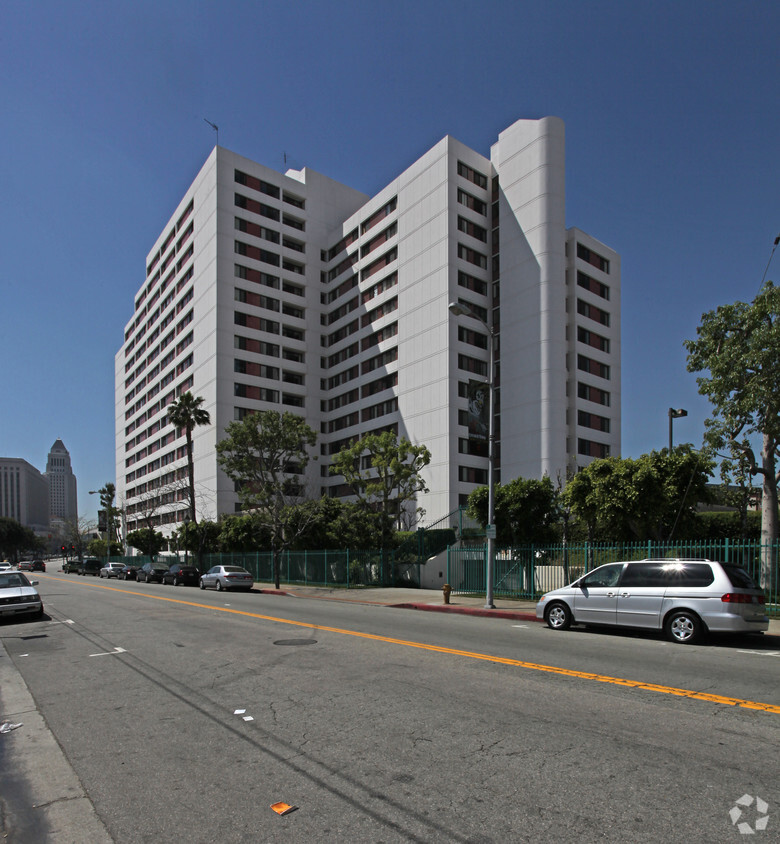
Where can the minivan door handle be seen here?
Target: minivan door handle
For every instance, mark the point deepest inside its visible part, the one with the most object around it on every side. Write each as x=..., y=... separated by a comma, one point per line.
x=625, y=594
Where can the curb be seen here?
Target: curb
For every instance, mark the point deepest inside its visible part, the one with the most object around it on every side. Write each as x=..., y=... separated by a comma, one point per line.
x=485, y=613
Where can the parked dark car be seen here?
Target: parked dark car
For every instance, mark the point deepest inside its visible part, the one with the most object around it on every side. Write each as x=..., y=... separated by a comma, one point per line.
x=151, y=571
x=128, y=573
x=71, y=567
x=90, y=565
x=179, y=573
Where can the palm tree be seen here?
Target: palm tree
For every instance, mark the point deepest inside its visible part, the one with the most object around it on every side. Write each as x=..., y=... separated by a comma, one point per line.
x=186, y=412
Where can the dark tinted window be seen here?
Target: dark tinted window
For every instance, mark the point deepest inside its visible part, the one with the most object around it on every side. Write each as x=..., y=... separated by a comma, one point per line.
x=739, y=577
x=667, y=574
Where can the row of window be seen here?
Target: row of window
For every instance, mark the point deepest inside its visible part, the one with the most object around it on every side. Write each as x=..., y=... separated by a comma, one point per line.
x=592, y=258
x=161, y=251
x=267, y=189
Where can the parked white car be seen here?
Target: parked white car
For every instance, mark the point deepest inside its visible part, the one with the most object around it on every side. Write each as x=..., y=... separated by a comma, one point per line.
x=684, y=598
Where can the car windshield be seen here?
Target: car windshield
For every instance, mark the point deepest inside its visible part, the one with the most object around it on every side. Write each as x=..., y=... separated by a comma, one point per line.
x=13, y=580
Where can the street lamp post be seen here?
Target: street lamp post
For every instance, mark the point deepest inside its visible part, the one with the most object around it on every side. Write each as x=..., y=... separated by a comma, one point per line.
x=674, y=414
x=457, y=309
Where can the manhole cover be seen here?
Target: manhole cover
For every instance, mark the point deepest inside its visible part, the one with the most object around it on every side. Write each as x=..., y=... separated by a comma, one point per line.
x=295, y=642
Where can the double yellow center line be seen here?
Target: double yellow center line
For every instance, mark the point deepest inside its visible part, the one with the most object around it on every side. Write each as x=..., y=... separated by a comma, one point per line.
x=515, y=663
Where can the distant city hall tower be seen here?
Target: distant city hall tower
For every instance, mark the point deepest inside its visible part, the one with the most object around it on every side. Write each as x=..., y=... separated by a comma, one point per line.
x=62, y=483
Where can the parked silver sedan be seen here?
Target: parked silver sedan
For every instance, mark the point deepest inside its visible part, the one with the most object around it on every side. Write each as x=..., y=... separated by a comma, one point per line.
x=226, y=577
x=111, y=570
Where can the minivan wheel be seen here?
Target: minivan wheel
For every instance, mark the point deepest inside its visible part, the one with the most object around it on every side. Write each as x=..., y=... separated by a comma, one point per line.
x=558, y=616
x=683, y=627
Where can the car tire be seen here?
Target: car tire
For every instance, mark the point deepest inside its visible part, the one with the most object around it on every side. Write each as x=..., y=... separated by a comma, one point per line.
x=175, y=581
x=220, y=587
x=683, y=627
x=201, y=584
x=558, y=616
x=148, y=580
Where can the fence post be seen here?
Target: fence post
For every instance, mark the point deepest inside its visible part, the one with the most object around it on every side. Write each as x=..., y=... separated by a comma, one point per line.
x=347, y=568
x=726, y=550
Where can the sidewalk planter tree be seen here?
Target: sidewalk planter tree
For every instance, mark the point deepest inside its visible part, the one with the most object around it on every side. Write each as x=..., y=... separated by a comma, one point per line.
x=738, y=347
x=266, y=454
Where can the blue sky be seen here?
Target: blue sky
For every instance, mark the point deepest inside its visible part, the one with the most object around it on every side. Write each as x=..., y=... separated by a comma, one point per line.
x=673, y=156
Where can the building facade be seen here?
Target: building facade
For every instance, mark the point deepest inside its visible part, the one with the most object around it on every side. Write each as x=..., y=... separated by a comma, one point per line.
x=63, y=500
x=24, y=494
x=294, y=292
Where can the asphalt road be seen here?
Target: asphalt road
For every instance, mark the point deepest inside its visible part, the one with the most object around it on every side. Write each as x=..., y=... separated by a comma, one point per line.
x=182, y=716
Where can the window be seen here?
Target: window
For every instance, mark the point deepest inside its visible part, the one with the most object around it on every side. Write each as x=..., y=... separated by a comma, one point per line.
x=257, y=231
x=472, y=475
x=472, y=203
x=257, y=207
x=594, y=394
x=592, y=312
x=474, y=338
x=591, y=449
x=592, y=339
x=472, y=175
x=256, y=184
x=256, y=253
x=594, y=367
x=471, y=283
x=592, y=420
x=469, y=364
x=256, y=276
x=593, y=258
x=472, y=256
x=467, y=227
x=379, y=264
x=379, y=215
x=588, y=283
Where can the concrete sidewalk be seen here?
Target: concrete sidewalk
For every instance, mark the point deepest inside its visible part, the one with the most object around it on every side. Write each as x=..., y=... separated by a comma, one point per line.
x=431, y=600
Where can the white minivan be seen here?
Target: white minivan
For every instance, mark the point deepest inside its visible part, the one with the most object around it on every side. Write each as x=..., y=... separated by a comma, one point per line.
x=684, y=598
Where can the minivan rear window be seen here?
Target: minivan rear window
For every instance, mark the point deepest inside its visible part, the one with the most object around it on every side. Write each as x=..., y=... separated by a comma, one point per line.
x=739, y=577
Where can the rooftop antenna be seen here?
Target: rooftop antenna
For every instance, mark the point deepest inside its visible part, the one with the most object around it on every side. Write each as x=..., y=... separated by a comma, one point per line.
x=214, y=127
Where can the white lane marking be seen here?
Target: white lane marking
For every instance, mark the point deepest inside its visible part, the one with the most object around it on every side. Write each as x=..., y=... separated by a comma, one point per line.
x=761, y=653
x=239, y=711
x=521, y=626
x=67, y=621
x=111, y=653
x=248, y=718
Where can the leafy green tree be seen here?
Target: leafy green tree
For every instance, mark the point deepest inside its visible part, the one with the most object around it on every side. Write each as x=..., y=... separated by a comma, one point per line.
x=186, y=412
x=266, y=454
x=650, y=497
x=738, y=347
x=107, y=496
x=526, y=511
x=330, y=523
x=242, y=533
x=147, y=540
x=384, y=473
x=97, y=548
x=199, y=538
x=15, y=538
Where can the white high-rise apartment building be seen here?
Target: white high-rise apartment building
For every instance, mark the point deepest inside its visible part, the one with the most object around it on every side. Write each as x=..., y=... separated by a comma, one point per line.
x=294, y=292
